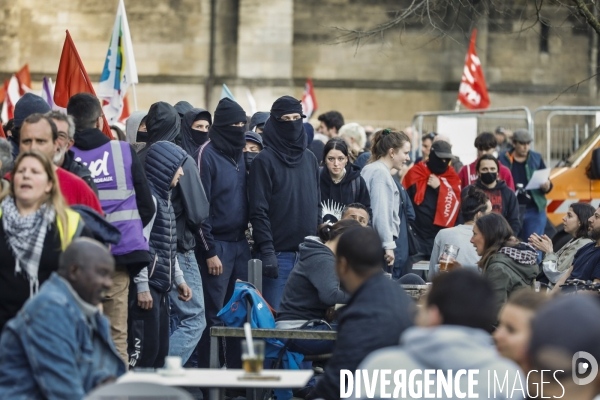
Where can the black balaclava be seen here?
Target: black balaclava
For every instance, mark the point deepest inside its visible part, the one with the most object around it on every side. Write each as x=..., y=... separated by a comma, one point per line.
x=488, y=177
x=163, y=123
x=287, y=139
x=230, y=140
x=437, y=165
x=192, y=139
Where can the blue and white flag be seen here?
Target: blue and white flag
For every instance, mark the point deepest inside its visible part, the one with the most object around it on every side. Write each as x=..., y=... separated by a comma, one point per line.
x=119, y=68
x=225, y=92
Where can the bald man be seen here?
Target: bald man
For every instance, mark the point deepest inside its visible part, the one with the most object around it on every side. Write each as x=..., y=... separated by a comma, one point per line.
x=59, y=345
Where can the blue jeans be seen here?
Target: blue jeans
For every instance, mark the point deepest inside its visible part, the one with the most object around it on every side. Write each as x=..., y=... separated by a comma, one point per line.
x=218, y=289
x=534, y=221
x=188, y=316
x=313, y=347
x=273, y=288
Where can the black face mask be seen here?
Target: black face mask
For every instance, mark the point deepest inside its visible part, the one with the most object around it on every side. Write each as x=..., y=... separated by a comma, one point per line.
x=142, y=137
x=199, y=137
x=488, y=177
x=249, y=156
x=230, y=139
x=437, y=165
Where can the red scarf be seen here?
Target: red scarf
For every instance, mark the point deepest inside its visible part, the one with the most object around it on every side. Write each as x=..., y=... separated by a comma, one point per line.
x=449, y=196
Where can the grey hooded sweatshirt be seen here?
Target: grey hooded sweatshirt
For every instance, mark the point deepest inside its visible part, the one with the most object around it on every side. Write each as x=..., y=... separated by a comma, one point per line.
x=448, y=347
x=312, y=286
x=131, y=129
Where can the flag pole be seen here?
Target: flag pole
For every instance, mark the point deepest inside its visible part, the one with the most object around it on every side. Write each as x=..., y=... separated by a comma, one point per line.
x=457, y=107
x=134, y=97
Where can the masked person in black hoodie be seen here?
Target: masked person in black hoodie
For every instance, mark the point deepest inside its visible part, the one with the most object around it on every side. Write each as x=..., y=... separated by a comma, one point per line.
x=194, y=130
x=284, y=195
x=341, y=183
x=504, y=200
x=223, y=251
x=191, y=208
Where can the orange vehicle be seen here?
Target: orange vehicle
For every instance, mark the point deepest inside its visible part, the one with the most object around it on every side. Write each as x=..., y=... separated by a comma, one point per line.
x=575, y=179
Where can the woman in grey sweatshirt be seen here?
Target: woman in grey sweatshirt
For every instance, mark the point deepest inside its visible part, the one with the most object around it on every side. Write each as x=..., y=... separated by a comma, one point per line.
x=389, y=150
x=313, y=286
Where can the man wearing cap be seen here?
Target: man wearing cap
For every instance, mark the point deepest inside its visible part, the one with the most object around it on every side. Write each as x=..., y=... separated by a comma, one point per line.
x=257, y=122
x=254, y=145
x=434, y=189
x=523, y=162
x=503, y=138
x=27, y=105
x=222, y=250
x=284, y=195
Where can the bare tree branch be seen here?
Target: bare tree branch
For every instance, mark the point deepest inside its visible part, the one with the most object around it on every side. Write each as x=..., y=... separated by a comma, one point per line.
x=576, y=86
x=587, y=14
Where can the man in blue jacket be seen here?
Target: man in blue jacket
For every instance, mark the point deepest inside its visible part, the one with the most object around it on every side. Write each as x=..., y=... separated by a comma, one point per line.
x=223, y=251
x=523, y=162
x=59, y=345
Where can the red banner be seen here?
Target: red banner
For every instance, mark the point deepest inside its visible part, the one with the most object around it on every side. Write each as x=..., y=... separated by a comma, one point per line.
x=473, y=92
x=72, y=79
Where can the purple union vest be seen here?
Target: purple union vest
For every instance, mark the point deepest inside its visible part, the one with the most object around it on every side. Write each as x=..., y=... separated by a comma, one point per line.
x=110, y=165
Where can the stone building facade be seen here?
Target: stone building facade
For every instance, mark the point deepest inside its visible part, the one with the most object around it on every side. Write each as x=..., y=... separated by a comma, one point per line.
x=270, y=47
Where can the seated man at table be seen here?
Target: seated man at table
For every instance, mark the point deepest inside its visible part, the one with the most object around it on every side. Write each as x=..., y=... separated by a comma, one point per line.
x=59, y=345
x=452, y=335
x=376, y=314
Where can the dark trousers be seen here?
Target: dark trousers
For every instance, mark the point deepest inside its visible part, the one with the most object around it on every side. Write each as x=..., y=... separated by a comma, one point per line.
x=148, y=343
x=218, y=289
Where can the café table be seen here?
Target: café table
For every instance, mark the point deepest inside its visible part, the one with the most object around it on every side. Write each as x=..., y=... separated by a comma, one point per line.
x=219, y=379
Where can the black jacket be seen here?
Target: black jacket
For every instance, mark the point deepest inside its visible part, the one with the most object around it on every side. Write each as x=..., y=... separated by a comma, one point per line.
x=77, y=168
x=504, y=202
x=92, y=138
x=352, y=189
x=190, y=206
x=424, y=217
x=374, y=318
x=285, y=204
x=224, y=181
x=162, y=162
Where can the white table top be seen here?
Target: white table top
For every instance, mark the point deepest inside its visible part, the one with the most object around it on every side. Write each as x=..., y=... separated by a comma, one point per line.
x=421, y=266
x=222, y=378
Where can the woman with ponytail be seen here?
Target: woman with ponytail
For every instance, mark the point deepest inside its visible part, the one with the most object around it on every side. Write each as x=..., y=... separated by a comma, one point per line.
x=313, y=286
x=389, y=150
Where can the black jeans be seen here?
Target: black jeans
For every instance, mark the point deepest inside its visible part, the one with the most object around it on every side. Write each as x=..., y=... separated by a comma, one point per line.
x=148, y=330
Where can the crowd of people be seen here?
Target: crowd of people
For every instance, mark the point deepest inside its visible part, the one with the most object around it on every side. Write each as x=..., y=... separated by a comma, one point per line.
x=120, y=252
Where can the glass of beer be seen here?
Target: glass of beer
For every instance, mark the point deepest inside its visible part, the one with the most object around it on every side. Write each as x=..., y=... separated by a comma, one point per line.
x=252, y=362
x=448, y=257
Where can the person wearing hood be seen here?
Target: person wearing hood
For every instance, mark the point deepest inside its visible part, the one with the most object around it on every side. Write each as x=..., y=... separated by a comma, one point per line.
x=65, y=158
x=182, y=107
x=316, y=146
x=223, y=251
x=126, y=201
x=376, y=314
x=163, y=124
x=340, y=182
x=195, y=124
x=434, y=189
x=136, y=131
x=254, y=145
x=284, y=195
x=313, y=287
x=506, y=263
x=149, y=302
x=452, y=334
x=503, y=198
x=257, y=122
x=191, y=208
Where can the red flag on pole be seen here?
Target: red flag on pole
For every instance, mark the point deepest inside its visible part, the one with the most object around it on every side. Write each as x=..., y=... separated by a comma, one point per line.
x=2, y=134
x=309, y=100
x=24, y=79
x=72, y=79
x=125, y=113
x=473, y=92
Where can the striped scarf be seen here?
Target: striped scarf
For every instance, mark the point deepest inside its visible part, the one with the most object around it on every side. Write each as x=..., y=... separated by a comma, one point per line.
x=26, y=237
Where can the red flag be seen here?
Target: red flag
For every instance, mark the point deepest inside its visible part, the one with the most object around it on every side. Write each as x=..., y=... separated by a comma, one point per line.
x=72, y=79
x=2, y=134
x=24, y=79
x=125, y=113
x=473, y=92
x=309, y=100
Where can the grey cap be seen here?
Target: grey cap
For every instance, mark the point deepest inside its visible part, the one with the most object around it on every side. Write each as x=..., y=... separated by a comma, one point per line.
x=522, y=136
x=254, y=137
x=442, y=149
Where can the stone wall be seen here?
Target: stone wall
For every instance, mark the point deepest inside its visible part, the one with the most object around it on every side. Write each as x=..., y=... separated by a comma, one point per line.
x=270, y=47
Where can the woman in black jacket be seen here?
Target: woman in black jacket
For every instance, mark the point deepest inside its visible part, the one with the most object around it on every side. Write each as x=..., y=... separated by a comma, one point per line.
x=340, y=181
